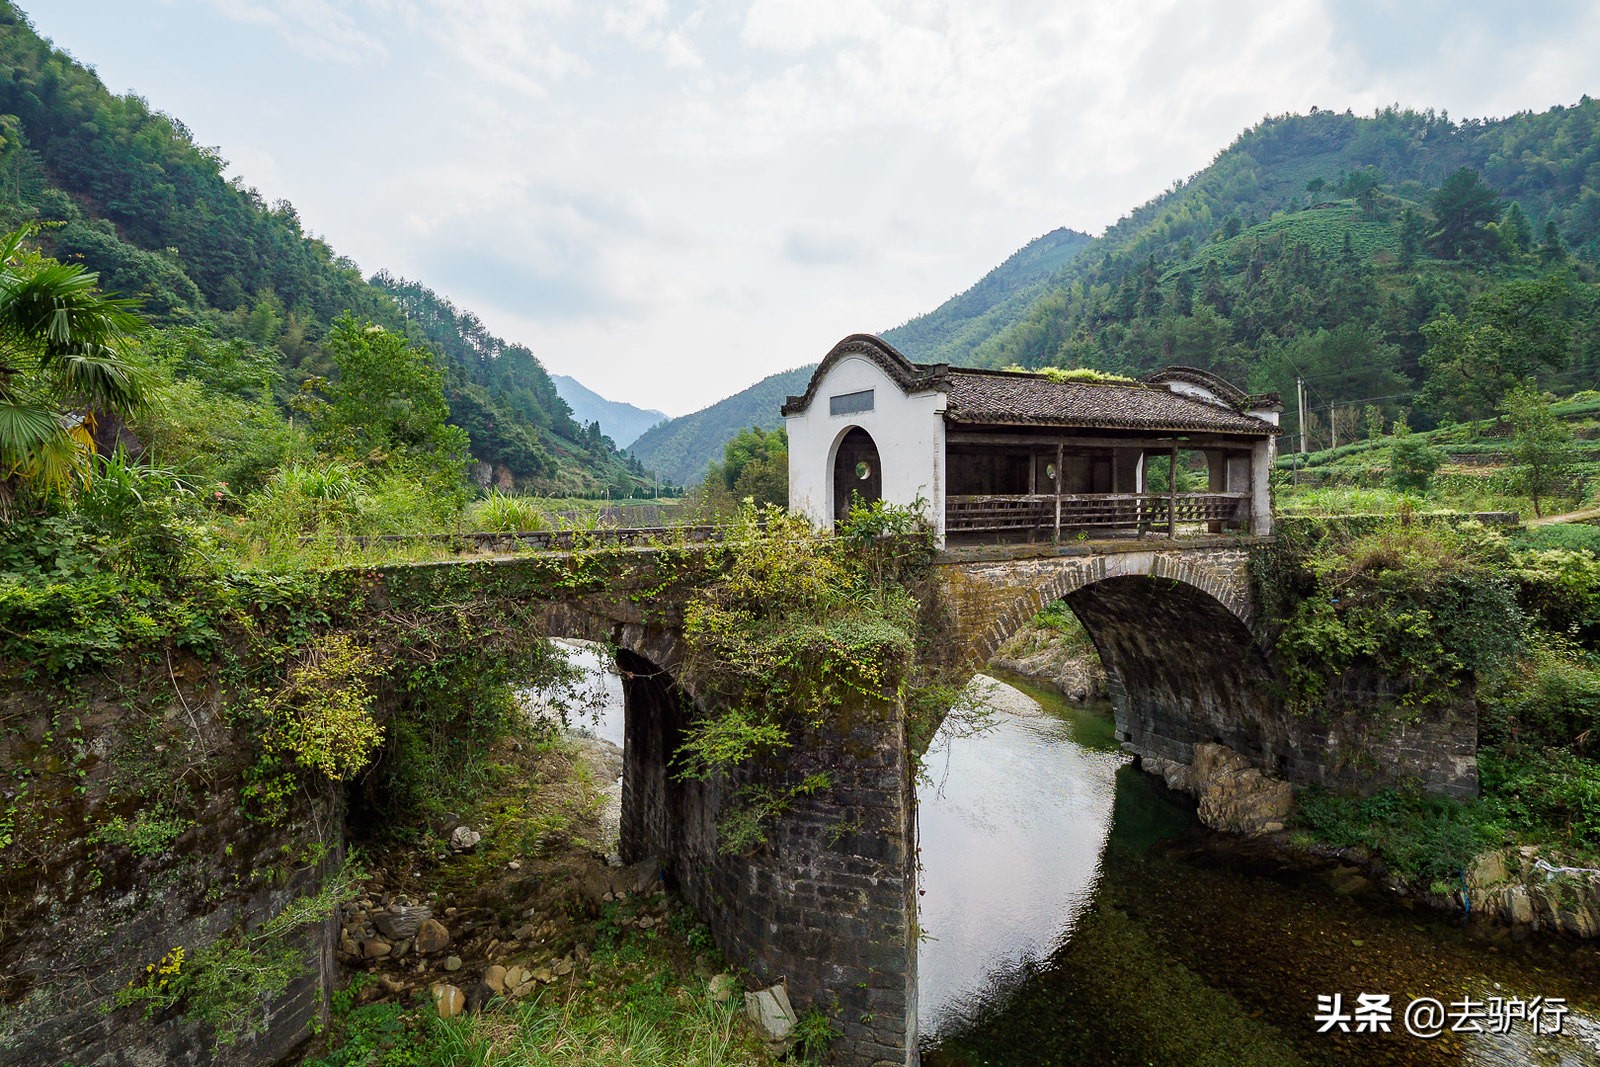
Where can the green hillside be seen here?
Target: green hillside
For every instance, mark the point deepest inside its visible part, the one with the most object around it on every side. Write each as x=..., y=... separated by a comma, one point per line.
x=1321, y=246
x=684, y=448
x=1326, y=248
x=128, y=193
x=997, y=300
x=1477, y=465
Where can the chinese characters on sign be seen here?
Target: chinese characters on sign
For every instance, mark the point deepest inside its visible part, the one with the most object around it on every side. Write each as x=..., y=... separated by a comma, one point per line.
x=1427, y=1017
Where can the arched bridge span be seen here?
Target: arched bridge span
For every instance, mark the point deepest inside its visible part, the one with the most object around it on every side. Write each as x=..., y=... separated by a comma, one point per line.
x=1174, y=627
x=829, y=901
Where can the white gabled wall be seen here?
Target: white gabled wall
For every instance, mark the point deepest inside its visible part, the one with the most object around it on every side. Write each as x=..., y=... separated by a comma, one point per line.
x=908, y=430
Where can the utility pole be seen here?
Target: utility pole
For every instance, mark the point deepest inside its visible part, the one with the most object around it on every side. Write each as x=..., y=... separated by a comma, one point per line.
x=1333, y=426
x=1300, y=393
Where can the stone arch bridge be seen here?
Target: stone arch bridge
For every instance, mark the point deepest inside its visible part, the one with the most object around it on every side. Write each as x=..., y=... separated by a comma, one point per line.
x=829, y=904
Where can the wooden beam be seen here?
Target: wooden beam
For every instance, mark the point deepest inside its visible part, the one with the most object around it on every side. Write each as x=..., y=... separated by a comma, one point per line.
x=1241, y=442
x=1172, y=496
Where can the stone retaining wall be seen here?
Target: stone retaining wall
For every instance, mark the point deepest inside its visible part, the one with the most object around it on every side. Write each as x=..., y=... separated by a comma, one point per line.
x=827, y=904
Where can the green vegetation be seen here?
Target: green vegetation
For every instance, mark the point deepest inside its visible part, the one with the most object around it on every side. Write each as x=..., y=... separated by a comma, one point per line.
x=796, y=632
x=1540, y=443
x=996, y=301
x=637, y=994
x=1229, y=269
x=636, y=1008
x=754, y=470
x=1076, y=374
x=1422, y=839
x=225, y=983
x=63, y=346
x=1421, y=605
x=184, y=498
x=1444, y=610
x=123, y=191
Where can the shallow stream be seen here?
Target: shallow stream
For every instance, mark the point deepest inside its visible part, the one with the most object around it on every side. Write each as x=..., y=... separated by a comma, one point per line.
x=1075, y=913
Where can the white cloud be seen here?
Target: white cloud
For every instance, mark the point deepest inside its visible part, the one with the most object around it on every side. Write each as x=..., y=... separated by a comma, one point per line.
x=673, y=198
x=315, y=28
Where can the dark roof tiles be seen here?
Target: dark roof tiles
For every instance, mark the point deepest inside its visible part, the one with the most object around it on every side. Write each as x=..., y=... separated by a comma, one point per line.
x=1029, y=400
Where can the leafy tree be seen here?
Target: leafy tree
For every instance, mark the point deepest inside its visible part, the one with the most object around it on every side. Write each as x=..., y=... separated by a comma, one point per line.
x=1372, y=420
x=1509, y=333
x=755, y=464
x=1412, y=231
x=1540, y=442
x=1349, y=363
x=1183, y=294
x=1412, y=461
x=387, y=403
x=1552, y=252
x=63, y=365
x=1516, y=233
x=1362, y=186
x=1462, y=207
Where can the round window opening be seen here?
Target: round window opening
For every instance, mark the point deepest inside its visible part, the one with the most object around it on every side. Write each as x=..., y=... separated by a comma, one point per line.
x=863, y=470
x=1050, y=471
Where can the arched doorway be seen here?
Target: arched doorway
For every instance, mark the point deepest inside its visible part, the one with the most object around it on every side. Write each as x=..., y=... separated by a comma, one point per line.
x=856, y=472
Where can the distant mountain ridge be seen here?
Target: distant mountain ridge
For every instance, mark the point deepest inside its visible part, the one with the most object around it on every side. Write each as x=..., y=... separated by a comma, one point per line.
x=681, y=450
x=620, y=421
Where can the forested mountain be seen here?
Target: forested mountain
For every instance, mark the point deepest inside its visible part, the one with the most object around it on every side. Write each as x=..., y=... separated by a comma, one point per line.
x=621, y=422
x=1386, y=260
x=127, y=192
x=684, y=448
x=1375, y=257
x=994, y=303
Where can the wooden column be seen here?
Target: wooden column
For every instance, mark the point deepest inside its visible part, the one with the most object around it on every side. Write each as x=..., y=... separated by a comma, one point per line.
x=1060, y=477
x=1172, y=495
x=1216, y=480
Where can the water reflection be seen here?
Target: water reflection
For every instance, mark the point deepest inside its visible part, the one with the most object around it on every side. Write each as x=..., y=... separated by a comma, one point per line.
x=1078, y=915
x=1179, y=947
x=1012, y=824
x=593, y=704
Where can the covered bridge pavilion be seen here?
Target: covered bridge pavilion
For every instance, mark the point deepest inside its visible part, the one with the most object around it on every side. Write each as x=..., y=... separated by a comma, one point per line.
x=1013, y=456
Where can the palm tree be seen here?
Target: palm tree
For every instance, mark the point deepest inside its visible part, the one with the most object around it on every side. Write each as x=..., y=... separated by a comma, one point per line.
x=63, y=363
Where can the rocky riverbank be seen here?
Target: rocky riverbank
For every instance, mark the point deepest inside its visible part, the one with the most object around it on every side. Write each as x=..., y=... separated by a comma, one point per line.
x=511, y=915
x=1520, y=887
x=1053, y=656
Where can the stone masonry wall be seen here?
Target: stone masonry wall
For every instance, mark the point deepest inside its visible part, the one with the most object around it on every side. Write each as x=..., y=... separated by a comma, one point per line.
x=828, y=903
x=84, y=909
x=1186, y=664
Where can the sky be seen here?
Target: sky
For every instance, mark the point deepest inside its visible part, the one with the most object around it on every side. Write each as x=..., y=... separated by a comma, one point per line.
x=671, y=200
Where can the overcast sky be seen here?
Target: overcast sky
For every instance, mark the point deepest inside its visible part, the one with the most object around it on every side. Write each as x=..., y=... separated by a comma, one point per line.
x=671, y=200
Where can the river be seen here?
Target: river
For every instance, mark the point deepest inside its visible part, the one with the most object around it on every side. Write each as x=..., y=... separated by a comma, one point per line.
x=1074, y=912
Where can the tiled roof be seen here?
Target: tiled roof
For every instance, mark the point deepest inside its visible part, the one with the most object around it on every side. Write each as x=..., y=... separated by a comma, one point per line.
x=1001, y=398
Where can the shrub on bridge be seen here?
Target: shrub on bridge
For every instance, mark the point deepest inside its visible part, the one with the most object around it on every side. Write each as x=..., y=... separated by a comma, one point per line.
x=798, y=630
x=1421, y=609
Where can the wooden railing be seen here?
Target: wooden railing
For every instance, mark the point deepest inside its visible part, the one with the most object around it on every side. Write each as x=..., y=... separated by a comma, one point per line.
x=967, y=514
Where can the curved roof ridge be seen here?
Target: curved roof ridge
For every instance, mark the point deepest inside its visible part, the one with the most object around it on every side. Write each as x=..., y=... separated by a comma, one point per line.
x=909, y=376
x=1223, y=390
